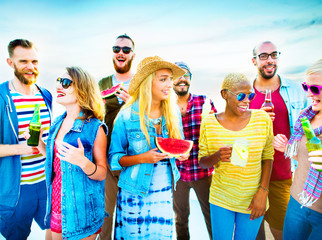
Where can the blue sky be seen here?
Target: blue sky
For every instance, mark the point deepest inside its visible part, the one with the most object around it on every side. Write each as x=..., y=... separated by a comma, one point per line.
x=213, y=37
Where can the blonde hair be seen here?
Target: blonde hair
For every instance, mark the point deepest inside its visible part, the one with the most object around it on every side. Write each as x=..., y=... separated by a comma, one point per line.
x=233, y=79
x=87, y=93
x=168, y=108
x=315, y=68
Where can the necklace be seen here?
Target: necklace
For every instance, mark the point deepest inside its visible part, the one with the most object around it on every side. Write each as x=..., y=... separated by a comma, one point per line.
x=156, y=121
x=13, y=86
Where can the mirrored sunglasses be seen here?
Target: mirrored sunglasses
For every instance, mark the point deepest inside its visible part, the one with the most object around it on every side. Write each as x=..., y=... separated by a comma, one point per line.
x=242, y=96
x=117, y=49
x=65, y=82
x=315, y=89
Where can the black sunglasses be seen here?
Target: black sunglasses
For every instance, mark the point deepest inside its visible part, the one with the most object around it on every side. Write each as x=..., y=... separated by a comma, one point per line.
x=241, y=96
x=117, y=49
x=65, y=82
x=315, y=89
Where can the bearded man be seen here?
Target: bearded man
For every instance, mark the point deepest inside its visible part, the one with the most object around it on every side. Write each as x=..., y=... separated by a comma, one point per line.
x=123, y=55
x=22, y=175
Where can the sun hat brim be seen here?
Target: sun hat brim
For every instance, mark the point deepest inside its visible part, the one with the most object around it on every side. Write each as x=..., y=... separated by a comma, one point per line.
x=150, y=67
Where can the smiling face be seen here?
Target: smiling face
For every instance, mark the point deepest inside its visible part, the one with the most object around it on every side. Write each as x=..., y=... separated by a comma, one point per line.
x=161, y=84
x=24, y=61
x=266, y=68
x=122, y=62
x=65, y=96
x=232, y=104
x=181, y=85
x=315, y=79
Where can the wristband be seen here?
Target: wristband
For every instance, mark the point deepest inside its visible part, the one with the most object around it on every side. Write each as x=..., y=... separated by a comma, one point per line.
x=92, y=172
x=265, y=189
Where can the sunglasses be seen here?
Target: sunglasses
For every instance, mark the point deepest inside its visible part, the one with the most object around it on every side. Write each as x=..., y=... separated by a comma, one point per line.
x=264, y=56
x=117, y=49
x=242, y=96
x=315, y=89
x=65, y=82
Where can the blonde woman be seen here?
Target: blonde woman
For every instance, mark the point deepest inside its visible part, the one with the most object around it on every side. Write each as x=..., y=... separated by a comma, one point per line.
x=238, y=194
x=144, y=203
x=303, y=219
x=76, y=159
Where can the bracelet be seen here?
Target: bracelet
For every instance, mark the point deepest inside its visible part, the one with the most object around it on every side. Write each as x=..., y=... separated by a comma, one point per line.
x=92, y=172
x=265, y=189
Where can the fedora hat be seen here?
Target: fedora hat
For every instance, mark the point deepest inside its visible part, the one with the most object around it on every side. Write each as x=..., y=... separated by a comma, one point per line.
x=148, y=66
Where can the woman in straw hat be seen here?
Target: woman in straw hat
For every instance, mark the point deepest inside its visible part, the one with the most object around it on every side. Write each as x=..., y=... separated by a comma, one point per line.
x=144, y=203
x=239, y=187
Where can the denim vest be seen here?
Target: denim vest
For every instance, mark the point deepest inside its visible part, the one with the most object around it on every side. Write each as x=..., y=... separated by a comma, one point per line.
x=128, y=139
x=82, y=199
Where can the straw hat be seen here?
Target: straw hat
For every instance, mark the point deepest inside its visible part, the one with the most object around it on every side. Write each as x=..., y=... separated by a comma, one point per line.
x=149, y=65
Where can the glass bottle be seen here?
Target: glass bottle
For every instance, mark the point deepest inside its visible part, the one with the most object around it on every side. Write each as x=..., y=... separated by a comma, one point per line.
x=34, y=127
x=268, y=101
x=313, y=142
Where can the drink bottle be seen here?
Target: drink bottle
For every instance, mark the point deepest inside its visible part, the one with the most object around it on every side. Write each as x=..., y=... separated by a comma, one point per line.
x=34, y=127
x=313, y=142
x=268, y=101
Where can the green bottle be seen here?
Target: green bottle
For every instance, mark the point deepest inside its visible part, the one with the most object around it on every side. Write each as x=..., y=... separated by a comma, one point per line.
x=313, y=142
x=34, y=127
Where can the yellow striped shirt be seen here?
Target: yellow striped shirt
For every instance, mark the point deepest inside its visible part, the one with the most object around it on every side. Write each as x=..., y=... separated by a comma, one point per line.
x=233, y=187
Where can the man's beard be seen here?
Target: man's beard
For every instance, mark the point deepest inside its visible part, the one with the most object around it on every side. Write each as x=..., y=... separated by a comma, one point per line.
x=124, y=69
x=181, y=92
x=264, y=75
x=24, y=80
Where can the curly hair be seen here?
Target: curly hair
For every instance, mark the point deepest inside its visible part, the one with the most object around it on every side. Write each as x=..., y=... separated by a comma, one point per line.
x=233, y=79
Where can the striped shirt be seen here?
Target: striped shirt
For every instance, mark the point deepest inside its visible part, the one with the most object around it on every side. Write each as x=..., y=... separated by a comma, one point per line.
x=233, y=187
x=32, y=166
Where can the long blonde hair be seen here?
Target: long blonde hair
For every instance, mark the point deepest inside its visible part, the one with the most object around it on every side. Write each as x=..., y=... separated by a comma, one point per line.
x=168, y=109
x=87, y=93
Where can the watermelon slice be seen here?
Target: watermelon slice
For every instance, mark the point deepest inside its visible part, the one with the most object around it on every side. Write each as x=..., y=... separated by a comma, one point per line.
x=175, y=147
x=110, y=92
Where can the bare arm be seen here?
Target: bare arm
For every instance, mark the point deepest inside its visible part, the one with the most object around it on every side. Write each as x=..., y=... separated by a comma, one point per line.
x=258, y=203
x=16, y=149
x=223, y=154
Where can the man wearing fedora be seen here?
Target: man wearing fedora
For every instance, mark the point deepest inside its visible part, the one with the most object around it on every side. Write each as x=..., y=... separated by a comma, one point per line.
x=191, y=174
x=123, y=55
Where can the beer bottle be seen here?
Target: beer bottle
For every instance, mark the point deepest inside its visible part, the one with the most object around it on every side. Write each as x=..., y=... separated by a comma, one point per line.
x=268, y=101
x=313, y=142
x=34, y=127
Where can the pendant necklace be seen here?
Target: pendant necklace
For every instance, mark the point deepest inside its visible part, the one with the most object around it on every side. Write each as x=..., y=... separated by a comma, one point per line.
x=156, y=121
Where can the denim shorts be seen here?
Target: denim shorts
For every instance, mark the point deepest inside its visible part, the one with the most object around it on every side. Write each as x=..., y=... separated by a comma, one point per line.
x=31, y=205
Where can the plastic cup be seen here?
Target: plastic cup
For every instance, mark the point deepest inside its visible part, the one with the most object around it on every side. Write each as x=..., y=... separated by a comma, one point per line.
x=239, y=155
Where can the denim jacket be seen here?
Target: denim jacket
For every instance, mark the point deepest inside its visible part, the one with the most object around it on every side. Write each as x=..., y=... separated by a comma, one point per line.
x=295, y=99
x=10, y=166
x=128, y=139
x=82, y=199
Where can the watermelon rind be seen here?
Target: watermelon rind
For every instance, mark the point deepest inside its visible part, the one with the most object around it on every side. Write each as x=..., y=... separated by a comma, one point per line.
x=111, y=92
x=179, y=146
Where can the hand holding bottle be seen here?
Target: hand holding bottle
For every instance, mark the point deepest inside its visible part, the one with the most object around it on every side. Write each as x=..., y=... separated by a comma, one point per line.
x=268, y=105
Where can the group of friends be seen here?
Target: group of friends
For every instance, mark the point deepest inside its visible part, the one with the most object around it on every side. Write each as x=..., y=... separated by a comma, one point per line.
x=100, y=157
